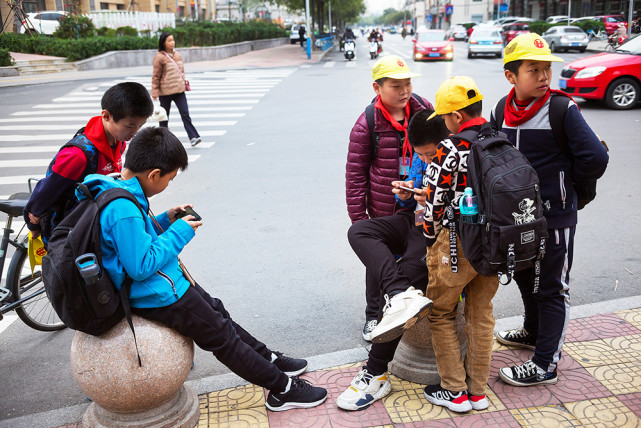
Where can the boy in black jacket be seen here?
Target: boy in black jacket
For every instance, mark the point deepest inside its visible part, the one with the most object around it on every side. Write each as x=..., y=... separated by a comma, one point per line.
x=527, y=63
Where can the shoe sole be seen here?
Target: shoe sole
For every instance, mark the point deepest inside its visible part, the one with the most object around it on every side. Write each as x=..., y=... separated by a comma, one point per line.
x=398, y=330
x=513, y=382
x=196, y=143
x=480, y=405
x=514, y=344
x=294, y=405
x=385, y=390
x=367, y=337
x=297, y=372
x=459, y=408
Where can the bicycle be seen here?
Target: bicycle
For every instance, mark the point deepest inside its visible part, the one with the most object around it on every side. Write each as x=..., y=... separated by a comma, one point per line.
x=23, y=291
x=601, y=35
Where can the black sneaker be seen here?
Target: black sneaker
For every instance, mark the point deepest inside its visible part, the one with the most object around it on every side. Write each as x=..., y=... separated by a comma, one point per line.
x=290, y=366
x=518, y=337
x=527, y=374
x=301, y=395
x=455, y=401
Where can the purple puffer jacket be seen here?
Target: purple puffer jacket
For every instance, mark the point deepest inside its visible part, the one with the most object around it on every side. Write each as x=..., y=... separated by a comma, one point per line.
x=368, y=184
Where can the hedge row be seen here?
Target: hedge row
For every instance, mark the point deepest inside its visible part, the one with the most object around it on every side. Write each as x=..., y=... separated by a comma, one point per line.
x=72, y=49
x=5, y=58
x=213, y=34
x=541, y=27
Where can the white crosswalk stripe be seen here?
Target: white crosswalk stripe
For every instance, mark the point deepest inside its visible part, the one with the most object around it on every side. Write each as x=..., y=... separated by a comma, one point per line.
x=218, y=101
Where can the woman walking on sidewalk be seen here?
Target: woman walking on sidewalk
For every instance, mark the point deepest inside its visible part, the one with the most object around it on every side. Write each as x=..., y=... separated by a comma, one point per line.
x=169, y=84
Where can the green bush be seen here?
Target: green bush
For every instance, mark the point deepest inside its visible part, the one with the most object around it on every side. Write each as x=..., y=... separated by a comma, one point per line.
x=541, y=27
x=127, y=31
x=106, y=32
x=75, y=26
x=5, y=58
x=591, y=25
x=212, y=33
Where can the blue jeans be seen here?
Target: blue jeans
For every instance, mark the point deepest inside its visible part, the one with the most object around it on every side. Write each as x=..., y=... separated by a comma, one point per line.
x=181, y=102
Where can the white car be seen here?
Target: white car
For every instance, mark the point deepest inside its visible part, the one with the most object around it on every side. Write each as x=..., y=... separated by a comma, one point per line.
x=566, y=37
x=485, y=40
x=294, y=37
x=45, y=22
x=556, y=18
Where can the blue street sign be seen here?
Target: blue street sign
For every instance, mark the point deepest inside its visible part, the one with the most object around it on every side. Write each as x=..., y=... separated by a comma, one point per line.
x=449, y=9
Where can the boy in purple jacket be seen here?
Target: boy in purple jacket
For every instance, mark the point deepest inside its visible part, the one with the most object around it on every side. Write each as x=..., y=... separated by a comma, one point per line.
x=374, y=161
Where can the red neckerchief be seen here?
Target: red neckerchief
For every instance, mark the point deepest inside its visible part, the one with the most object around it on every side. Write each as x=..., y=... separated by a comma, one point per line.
x=406, y=144
x=472, y=122
x=95, y=132
x=514, y=116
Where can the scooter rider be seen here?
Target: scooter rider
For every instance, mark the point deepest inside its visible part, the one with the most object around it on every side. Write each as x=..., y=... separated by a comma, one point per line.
x=348, y=34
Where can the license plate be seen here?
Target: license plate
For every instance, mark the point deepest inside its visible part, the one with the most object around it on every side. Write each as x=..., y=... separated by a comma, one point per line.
x=563, y=84
x=485, y=43
x=434, y=54
x=575, y=44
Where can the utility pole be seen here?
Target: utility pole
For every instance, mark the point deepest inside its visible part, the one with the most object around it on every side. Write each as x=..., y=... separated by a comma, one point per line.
x=309, y=30
x=330, y=17
x=630, y=17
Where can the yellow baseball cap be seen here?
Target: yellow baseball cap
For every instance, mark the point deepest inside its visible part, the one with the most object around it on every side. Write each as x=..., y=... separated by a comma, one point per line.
x=454, y=94
x=393, y=67
x=529, y=46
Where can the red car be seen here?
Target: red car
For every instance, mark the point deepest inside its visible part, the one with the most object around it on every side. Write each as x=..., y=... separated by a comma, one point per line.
x=512, y=30
x=611, y=22
x=432, y=44
x=613, y=77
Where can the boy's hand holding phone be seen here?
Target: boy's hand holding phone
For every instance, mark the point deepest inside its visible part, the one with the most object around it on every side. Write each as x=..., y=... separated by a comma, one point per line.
x=420, y=196
x=404, y=189
x=187, y=213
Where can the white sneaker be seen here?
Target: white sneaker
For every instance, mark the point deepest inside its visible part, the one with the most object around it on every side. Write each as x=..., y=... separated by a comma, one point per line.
x=368, y=328
x=401, y=312
x=364, y=390
x=195, y=141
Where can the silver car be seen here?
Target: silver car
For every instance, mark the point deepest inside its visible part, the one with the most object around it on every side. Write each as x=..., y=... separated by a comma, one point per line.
x=485, y=40
x=566, y=37
x=45, y=22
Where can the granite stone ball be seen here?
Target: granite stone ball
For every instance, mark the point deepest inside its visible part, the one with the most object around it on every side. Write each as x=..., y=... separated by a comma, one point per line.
x=106, y=367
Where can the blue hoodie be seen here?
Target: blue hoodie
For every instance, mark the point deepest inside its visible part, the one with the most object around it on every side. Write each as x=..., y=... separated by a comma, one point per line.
x=131, y=243
x=416, y=174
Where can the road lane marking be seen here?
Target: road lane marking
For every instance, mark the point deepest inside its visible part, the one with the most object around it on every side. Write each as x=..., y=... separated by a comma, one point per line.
x=329, y=64
x=74, y=127
x=192, y=102
x=85, y=118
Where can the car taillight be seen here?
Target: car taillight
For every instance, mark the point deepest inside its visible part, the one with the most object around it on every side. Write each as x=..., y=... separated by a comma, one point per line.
x=474, y=42
x=498, y=42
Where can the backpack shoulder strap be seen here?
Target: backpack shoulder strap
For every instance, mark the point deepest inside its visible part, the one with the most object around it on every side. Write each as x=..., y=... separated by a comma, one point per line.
x=419, y=99
x=110, y=195
x=499, y=113
x=81, y=141
x=373, y=136
x=468, y=135
x=558, y=110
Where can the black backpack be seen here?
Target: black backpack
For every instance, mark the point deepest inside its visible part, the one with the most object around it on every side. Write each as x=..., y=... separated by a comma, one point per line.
x=96, y=308
x=511, y=230
x=586, y=192
x=369, y=115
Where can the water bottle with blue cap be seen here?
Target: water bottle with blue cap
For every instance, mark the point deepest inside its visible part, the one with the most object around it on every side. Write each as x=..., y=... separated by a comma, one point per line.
x=468, y=207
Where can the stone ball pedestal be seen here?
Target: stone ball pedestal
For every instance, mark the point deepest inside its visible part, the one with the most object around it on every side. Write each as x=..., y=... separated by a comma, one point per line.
x=127, y=395
x=415, y=360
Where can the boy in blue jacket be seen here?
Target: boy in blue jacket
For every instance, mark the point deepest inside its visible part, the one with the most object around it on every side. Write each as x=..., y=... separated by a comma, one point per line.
x=147, y=250
x=527, y=64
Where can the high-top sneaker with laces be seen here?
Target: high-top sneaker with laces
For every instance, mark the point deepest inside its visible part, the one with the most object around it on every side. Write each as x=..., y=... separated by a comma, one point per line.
x=518, y=337
x=455, y=401
x=301, y=395
x=368, y=328
x=478, y=402
x=400, y=313
x=364, y=390
x=527, y=374
x=290, y=366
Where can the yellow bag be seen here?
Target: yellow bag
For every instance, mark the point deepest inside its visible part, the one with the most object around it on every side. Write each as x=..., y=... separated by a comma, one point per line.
x=36, y=251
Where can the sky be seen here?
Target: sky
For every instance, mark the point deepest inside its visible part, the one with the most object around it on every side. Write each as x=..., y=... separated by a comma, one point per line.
x=376, y=7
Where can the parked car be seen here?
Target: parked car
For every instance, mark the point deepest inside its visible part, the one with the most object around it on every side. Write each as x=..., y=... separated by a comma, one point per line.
x=612, y=77
x=45, y=22
x=294, y=37
x=566, y=37
x=485, y=41
x=457, y=32
x=575, y=21
x=510, y=31
x=556, y=18
x=611, y=22
x=432, y=44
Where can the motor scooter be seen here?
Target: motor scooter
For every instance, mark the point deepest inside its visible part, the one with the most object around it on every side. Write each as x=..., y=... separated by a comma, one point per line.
x=373, y=49
x=349, y=48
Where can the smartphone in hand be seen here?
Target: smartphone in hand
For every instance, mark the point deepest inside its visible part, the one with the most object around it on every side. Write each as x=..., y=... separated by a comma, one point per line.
x=408, y=189
x=188, y=211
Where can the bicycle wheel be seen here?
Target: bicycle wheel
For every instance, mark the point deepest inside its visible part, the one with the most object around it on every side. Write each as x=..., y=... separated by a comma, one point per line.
x=37, y=311
x=610, y=47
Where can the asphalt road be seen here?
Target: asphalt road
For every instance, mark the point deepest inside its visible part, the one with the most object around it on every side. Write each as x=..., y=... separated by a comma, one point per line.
x=270, y=189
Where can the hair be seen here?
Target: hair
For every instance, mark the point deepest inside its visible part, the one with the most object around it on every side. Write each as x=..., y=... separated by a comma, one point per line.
x=474, y=109
x=422, y=131
x=513, y=66
x=127, y=99
x=162, y=39
x=381, y=81
x=156, y=148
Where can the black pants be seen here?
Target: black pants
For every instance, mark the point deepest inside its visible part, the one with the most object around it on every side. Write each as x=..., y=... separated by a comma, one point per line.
x=181, y=102
x=547, y=312
x=205, y=320
x=376, y=242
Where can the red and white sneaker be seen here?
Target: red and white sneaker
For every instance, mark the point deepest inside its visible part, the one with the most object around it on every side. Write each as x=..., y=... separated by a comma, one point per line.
x=478, y=402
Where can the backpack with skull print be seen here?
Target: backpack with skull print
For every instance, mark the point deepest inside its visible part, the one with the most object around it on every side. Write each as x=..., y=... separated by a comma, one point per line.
x=511, y=230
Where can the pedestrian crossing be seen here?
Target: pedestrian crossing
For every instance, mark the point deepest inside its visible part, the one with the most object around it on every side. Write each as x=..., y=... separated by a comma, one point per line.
x=219, y=100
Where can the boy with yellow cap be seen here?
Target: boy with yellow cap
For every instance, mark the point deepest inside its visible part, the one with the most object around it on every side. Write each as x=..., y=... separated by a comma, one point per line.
x=463, y=382
x=379, y=153
x=566, y=160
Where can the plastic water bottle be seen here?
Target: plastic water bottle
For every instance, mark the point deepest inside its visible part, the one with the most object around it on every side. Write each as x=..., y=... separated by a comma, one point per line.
x=468, y=207
x=89, y=268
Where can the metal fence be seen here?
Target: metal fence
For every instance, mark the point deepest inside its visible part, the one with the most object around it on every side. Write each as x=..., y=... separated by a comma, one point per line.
x=141, y=21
